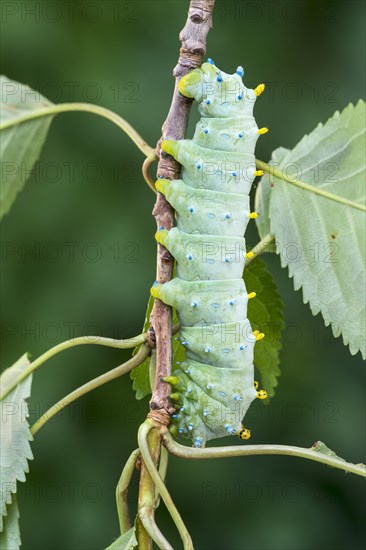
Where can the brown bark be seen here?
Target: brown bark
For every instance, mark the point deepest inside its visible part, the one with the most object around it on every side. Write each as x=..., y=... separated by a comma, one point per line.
x=193, y=39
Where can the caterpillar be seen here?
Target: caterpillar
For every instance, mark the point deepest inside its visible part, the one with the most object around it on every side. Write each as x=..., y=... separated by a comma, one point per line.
x=214, y=386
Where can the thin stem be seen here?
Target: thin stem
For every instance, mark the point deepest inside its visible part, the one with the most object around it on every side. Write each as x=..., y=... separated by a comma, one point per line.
x=225, y=452
x=302, y=185
x=86, y=108
x=145, y=171
x=260, y=247
x=148, y=521
x=122, y=491
x=145, y=525
x=163, y=469
x=152, y=368
x=95, y=383
x=143, y=432
x=81, y=340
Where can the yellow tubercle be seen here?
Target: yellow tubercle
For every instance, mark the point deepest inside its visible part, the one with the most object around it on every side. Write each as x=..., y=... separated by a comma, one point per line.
x=244, y=433
x=174, y=396
x=262, y=394
x=258, y=173
x=262, y=131
x=250, y=255
x=259, y=335
x=256, y=384
x=259, y=89
x=252, y=295
x=253, y=215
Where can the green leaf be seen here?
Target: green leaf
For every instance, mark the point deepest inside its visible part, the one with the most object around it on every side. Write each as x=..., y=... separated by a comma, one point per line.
x=140, y=375
x=265, y=313
x=10, y=534
x=127, y=541
x=15, y=435
x=263, y=194
x=322, y=242
x=21, y=144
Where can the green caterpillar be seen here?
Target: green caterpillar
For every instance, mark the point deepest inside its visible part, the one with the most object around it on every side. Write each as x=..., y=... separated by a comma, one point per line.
x=214, y=386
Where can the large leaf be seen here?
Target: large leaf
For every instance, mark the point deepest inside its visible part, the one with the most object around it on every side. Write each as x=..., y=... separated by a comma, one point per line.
x=21, y=144
x=322, y=241
x=127, y=541
x=15, y=436
x=265, y=313
x=262, y=195
x=10, y=534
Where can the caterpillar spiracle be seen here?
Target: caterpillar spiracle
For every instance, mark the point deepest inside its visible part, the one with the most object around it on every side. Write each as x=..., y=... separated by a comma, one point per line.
x=214, y=387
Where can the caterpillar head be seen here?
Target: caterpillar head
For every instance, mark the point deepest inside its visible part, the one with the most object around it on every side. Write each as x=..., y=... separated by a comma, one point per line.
x=220, y=94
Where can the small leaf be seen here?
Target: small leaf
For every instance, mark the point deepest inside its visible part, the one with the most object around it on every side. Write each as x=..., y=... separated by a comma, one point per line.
x=320, y=447
x=15, y=433
x=10, y=534
x=265, y=313
x=20, y=144
x=140, y=375
x=127, y=541
x=322, y=242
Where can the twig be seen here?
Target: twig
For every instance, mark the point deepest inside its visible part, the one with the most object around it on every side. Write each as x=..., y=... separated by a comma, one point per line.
x=148, y=521
x=193, y=39
x=146, y=500
x=91, y=385
x=247, y=450
x=143, y=433
x=122, y=492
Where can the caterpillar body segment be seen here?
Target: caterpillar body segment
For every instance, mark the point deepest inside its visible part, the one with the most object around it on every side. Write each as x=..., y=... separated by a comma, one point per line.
x=214, y=387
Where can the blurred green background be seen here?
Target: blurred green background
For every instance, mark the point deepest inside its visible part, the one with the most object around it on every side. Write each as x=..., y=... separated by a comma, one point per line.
x=86, y=215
